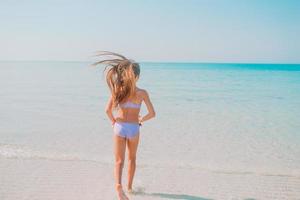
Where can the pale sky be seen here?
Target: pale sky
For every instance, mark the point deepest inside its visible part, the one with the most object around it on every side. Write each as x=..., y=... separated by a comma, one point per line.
x=152, y=30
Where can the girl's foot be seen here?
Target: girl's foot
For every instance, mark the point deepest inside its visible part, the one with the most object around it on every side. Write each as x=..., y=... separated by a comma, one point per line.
x=120, y=192
x=130, y=191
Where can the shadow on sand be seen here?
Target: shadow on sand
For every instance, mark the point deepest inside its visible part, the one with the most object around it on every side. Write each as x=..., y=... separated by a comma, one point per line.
x=141, y=191
x=178, y=196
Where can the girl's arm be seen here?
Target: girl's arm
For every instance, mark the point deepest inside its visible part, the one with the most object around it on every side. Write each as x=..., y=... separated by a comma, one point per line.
x=108, y=110
x=150, y=108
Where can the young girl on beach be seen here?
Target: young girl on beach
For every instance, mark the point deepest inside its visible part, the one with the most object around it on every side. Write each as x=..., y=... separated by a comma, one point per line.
x=126, y=98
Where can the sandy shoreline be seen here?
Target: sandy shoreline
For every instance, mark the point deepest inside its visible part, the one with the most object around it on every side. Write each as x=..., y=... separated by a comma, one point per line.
x=62, y=180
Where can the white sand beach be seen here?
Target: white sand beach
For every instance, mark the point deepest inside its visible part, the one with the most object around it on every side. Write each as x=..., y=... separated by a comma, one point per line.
x=76, y=180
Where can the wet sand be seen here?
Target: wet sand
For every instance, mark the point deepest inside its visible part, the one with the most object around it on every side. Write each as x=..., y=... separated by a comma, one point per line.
x=66, y=180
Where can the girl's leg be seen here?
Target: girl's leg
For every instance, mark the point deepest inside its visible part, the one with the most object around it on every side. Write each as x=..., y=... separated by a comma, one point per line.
x=119, y=150
x=132, y=145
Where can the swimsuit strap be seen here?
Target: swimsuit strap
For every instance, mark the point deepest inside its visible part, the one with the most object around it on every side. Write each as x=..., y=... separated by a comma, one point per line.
x=129, y=104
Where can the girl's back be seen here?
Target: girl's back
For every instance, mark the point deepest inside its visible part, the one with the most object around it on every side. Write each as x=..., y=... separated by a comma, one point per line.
x=128, y=111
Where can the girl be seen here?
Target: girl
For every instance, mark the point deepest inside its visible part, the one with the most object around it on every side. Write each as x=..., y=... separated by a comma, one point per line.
x=127, y=98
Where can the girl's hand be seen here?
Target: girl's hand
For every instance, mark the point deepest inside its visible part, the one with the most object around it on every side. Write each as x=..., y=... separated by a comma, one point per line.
x=140, y=120
x=113, y=122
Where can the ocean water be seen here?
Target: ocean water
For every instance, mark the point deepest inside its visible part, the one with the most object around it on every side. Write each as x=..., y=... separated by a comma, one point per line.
x=233, y=118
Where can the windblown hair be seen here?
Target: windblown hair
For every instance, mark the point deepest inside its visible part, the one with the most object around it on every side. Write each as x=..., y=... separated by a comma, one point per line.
x=120, y=76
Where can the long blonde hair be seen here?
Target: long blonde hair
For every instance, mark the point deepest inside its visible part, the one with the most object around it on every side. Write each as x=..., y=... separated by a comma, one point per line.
x=120, y=77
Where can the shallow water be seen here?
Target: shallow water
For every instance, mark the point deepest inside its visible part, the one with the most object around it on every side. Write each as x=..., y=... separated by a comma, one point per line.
x=229, y=118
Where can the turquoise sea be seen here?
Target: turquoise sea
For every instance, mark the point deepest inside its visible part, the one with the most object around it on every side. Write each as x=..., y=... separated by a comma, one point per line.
x=220, y=117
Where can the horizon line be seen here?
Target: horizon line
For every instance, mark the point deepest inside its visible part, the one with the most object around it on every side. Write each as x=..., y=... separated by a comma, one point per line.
x=157, y=61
